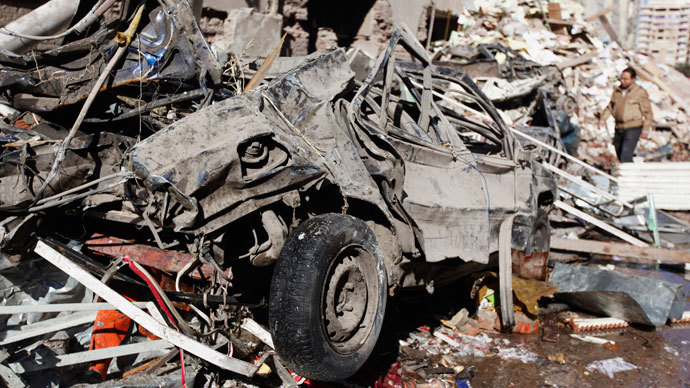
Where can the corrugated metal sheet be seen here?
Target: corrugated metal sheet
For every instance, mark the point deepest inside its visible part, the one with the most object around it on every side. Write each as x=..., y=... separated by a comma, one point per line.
x=668, y=181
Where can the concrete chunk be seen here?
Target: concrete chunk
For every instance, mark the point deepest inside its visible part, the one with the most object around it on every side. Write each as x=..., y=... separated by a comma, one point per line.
x=249, y=34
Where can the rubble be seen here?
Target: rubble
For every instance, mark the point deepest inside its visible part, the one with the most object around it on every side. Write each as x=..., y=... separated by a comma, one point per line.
x=589, y=67
x=239, y=37
x=228, y=182
x=195, y=191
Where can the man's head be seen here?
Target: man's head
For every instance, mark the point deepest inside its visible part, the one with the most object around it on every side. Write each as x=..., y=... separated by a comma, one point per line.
x=628, y=77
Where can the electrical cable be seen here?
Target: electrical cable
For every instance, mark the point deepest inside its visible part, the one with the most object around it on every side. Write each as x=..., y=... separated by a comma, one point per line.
x=163, y=303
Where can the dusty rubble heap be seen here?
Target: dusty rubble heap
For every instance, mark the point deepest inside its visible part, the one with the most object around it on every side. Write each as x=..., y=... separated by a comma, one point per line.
x=590, y=69
x=212, y=211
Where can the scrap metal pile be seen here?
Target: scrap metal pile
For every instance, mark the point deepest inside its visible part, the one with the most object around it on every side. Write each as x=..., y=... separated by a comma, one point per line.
x=175, y=191
x=71, y=113
x=186, y=203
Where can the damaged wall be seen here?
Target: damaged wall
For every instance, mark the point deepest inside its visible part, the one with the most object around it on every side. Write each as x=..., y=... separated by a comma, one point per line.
x=315, y=26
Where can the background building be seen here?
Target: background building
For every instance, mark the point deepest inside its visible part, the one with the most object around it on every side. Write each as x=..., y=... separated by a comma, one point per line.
x=663, y=29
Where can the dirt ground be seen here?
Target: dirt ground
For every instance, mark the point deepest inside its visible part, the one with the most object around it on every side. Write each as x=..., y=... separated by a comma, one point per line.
x=661, y=356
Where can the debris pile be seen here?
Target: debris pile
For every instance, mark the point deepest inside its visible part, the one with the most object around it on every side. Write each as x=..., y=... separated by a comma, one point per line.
x=164, y=197
x=523, y=41
x=70, y=114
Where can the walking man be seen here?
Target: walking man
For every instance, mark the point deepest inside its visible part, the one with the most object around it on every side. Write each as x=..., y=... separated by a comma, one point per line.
x=632, y=111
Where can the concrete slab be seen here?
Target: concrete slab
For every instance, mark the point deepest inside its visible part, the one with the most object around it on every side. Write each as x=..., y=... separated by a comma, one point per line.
x=248, y=33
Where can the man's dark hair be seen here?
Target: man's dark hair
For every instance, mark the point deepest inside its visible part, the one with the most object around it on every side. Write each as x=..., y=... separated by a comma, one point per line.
x=630, y=71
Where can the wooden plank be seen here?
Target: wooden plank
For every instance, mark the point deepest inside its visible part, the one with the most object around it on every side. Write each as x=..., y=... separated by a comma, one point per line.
x=650, y=254
x=576, y=61
x=145, y=320
x=563, y=154
x=604, y=11
x=89, y=355
x=59, y=307
x=600, y=224
x=609, y=29
x=47, y=326
x=555, y=19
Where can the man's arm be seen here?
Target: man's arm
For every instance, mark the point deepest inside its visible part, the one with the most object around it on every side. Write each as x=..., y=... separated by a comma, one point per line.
x=646, y=107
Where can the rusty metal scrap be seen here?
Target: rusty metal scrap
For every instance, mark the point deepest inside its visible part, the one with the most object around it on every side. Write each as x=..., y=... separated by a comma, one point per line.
x=168, y=260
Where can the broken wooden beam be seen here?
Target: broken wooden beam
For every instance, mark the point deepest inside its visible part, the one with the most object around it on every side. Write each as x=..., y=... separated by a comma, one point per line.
x=59, y=360
x=576, y=61
x=650, y=254
x=600, y=224
x=113, y=297
x=609, y=29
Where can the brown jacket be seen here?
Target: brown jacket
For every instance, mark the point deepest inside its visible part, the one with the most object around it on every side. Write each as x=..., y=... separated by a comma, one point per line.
x=631, y=110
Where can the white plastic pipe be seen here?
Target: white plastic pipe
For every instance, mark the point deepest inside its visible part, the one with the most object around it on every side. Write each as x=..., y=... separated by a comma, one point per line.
x=51, y=17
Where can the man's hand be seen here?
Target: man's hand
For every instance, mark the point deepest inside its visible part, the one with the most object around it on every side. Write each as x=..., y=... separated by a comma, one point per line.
x=644, y=135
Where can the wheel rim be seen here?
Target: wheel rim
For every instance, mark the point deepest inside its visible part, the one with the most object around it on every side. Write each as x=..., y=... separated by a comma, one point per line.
x=349, y=299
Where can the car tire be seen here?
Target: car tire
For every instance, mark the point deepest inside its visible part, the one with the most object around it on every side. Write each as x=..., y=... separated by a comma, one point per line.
x=328, y=297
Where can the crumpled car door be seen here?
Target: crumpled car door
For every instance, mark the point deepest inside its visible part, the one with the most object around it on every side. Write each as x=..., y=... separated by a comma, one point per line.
x=448, y=198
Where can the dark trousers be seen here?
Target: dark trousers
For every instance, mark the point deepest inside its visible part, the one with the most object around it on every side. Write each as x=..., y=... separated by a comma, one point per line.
x=625, y=141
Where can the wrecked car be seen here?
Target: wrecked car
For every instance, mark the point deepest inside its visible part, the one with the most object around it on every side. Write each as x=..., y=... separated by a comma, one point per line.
x=344, y=191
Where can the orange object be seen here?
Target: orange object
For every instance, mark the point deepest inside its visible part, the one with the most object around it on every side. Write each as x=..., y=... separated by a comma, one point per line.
x=110, y=329
x=525, y=325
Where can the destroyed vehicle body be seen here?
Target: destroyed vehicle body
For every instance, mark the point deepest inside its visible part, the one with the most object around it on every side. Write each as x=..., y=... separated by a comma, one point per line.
x=352, y=190
x=508, y=78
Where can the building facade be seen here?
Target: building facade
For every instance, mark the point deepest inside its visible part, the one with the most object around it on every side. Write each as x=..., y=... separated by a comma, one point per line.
x=663, y=28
